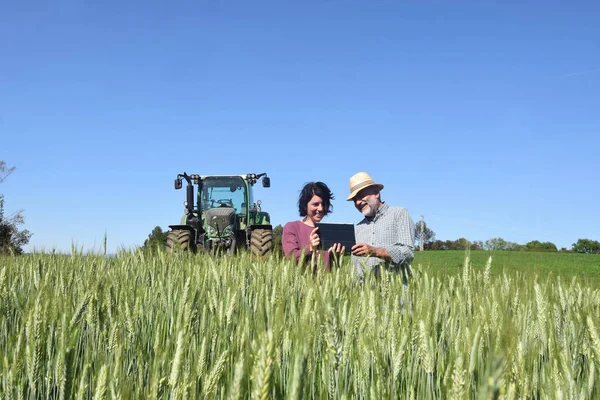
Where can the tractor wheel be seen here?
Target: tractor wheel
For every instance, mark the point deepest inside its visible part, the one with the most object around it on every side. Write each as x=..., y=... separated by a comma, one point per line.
x=261, y=242
x=231, y=250
x=180, y=239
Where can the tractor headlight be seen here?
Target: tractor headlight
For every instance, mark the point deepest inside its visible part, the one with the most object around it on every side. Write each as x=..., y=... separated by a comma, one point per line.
x=211, y=230
x=228, y=231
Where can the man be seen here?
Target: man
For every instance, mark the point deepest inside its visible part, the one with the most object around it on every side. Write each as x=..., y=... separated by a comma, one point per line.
x=386, y=236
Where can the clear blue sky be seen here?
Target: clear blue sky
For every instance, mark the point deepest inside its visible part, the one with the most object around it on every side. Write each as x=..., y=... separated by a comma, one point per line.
x=482, y=115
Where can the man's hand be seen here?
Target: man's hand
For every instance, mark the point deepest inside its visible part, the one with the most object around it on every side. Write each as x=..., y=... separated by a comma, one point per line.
x=363, y=250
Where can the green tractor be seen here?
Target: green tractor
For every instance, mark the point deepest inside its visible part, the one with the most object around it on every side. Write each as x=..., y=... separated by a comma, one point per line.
x=218, y=219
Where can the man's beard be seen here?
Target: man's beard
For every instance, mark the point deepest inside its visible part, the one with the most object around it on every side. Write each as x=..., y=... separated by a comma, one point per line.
x=370, y=209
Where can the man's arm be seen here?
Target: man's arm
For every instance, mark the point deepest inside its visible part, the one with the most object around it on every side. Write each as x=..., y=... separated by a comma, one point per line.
x=403, y=250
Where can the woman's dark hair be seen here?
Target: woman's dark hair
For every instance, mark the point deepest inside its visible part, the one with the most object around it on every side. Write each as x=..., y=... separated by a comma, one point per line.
x=315, y=189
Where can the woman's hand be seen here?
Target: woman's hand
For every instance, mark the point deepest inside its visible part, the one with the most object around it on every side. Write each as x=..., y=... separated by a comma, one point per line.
x=337, y=248
x=336, y=253
x=315, y=240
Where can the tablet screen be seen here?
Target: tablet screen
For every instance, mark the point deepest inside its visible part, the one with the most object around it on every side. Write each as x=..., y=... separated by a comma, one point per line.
x=331, y=233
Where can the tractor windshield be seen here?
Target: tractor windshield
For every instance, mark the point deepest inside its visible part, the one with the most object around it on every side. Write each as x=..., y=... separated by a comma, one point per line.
x=219, y=191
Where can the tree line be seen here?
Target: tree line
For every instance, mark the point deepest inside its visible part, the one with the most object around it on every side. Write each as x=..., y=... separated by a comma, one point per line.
x=427, y=236
x=158, y=238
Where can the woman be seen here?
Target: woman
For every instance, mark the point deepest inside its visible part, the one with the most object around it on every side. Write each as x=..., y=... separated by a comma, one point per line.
x=300, y=238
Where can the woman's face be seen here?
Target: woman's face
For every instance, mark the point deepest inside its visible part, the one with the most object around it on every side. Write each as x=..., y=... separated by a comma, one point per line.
x=315, y=209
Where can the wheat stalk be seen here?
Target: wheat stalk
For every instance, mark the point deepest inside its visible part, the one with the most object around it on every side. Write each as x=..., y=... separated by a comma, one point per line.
x=263, y=367
x=101, y=385
x=236, y=386
x=175, y=366
x=215, y=373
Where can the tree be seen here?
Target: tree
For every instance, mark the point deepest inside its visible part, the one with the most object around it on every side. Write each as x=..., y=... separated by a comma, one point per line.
x=495, y=244
x=12, y=239
x=428, y=234
x=536, y=245
x=458, y=244
x=477, y=245
x=462, y=244
x=156, y=239
x=277, y=237
x=587, y=246
x=512, y=246
x=437, y=245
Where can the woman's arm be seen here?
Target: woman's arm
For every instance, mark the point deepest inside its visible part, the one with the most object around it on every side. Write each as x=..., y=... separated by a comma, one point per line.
x=291, y=242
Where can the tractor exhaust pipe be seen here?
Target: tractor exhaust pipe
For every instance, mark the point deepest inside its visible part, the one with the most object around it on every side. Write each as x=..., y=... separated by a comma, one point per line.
x=190, y=198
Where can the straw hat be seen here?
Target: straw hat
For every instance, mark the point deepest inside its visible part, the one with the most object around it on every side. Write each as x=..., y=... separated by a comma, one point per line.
x=360, y=181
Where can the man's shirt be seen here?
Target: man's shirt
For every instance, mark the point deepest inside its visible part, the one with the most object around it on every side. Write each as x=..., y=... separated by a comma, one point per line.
x=393, y=229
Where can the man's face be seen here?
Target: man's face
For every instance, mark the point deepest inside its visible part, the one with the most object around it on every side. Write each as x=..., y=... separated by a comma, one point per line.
x=367, y=201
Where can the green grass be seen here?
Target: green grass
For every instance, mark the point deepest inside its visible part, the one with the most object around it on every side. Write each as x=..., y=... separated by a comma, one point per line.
x=183, y=326
x=585, y=267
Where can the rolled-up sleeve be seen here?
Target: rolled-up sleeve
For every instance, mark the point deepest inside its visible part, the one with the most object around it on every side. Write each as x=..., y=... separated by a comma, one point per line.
x=403, y=250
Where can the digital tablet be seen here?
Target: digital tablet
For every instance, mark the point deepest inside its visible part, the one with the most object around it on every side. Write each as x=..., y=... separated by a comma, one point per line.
x=331, y=233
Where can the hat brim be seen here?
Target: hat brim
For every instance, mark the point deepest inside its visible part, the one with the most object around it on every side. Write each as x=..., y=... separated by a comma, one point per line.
x=355, y=191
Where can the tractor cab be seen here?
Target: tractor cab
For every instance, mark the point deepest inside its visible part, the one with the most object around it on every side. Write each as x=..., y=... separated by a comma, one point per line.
x=223, y=191
x=221, y=200
x=222, y=214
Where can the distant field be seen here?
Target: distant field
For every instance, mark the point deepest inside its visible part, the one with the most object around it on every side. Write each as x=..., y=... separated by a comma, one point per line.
x=586, y=267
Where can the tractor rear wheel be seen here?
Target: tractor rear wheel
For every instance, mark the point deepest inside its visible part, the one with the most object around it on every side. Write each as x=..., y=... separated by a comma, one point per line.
x=180, y=239
x=261, y=242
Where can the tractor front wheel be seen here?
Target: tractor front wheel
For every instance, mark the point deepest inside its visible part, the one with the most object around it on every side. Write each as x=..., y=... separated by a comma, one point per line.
x=231, y=249
x=261, y=242
x=180, y=239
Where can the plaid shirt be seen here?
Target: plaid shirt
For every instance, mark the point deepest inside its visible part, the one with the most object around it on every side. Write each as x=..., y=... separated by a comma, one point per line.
x=393, y=229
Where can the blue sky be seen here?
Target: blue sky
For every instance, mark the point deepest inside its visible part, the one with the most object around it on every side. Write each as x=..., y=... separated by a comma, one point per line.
x=481, y=115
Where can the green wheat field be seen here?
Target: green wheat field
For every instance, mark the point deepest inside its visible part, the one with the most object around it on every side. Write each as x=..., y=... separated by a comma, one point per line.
x=135, y=326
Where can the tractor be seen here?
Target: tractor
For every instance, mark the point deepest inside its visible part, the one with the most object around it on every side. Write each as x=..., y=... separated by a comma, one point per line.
x=222, y=217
